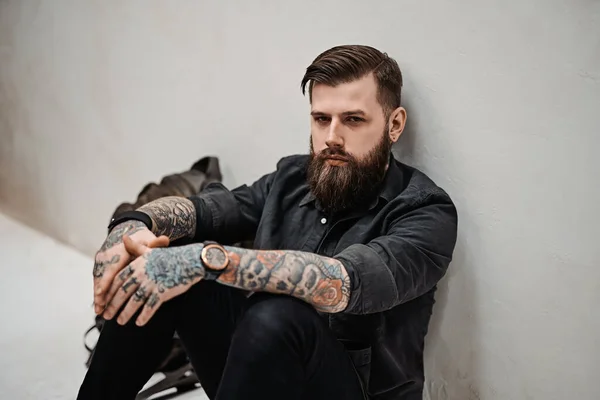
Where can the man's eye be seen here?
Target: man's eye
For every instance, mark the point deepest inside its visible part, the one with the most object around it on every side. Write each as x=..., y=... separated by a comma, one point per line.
x=321, y=120
x=355, y=120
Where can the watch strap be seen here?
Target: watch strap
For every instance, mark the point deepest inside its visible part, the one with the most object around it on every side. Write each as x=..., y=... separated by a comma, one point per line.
x=128, y=216
x=211, y=274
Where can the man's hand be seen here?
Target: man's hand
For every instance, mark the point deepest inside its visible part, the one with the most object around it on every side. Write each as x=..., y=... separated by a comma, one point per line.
x=155, y=276
x=113, y=257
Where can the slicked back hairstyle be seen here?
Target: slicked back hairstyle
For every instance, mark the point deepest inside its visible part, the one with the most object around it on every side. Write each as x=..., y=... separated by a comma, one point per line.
x=344, y=64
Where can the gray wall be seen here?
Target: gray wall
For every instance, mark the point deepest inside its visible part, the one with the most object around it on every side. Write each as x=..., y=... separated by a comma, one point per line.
x=97, y=98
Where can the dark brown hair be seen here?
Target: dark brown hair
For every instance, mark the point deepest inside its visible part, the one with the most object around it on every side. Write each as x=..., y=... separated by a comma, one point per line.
x=343, y=64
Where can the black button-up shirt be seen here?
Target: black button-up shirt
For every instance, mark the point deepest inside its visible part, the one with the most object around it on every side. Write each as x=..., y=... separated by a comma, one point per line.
x=395, y=251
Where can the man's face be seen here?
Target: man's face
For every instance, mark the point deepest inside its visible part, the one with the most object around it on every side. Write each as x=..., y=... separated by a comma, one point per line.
x=351, y=141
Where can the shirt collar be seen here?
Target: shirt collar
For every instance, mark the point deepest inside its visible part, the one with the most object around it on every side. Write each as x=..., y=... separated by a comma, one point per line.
x=392, y=185
x=310, y=197
x=393, y=181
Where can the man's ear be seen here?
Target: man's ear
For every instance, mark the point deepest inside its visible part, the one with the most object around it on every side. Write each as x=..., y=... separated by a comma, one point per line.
x=397, y=122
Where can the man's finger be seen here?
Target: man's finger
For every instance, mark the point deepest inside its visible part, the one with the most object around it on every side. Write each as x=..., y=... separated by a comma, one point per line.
x=152, y=304
x=118, y=281
x=123, y=293
x=104, y=273
x=137, y=300
x=133, y=247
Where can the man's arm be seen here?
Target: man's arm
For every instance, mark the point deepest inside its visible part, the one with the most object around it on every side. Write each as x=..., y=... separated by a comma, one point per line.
x=172, y=216
x=320, y=281
x=216, y=213
x=227, y=216
x=405, y=263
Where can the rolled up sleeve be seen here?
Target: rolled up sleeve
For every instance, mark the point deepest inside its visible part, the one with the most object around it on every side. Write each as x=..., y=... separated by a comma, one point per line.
x=405, y=263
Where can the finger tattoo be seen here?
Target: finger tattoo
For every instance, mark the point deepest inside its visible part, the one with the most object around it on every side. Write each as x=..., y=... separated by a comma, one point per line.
x=100, y=266
x=126, y=273
x=140, y=294
x=152, y=300
x=129, y=283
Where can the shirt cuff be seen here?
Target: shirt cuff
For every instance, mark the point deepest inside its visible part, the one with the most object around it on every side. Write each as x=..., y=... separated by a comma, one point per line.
x=207, y=215
x=373, y=288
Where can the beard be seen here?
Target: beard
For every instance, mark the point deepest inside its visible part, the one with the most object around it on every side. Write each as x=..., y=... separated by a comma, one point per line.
x=351, y=185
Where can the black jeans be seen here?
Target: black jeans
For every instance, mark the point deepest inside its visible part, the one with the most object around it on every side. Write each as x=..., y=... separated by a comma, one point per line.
x=263, y=347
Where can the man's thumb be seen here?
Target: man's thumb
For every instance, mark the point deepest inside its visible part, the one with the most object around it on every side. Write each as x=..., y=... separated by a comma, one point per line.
x=161, y=241
x=134, y=248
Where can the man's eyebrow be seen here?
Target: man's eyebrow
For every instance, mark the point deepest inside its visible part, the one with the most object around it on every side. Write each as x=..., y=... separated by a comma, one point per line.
x=317, y=113
x=354, y=112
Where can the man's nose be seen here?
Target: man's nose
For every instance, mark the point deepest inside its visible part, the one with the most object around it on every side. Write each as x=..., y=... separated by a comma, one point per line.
x=334, y=138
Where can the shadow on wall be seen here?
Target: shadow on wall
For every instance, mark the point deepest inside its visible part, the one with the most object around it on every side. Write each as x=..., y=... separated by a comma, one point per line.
x=18, y=184
x=450, y=363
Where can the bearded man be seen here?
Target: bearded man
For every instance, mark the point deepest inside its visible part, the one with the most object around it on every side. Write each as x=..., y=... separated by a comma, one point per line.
x=334, y=299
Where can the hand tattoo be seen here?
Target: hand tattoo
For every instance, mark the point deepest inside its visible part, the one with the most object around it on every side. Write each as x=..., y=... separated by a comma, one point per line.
x=100, y=266
x=173, y=216
x=115, y=237
x=174, y=266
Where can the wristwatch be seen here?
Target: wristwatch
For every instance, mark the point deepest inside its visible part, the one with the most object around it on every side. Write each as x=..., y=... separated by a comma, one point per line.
x=215, y=259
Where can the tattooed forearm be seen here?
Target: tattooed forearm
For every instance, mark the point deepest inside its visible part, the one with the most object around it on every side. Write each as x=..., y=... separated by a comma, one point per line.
x=172, y=216
x=320, y=281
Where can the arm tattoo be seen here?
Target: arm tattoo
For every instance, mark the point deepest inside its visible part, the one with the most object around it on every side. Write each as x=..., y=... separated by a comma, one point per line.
x=320, y=281
x=172, y=216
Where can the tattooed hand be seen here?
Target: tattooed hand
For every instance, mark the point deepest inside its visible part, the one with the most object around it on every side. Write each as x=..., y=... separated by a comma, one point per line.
x=155, y=276
x=112, y=257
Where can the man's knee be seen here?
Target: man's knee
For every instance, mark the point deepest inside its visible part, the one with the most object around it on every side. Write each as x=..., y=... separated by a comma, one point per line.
x=271, y=316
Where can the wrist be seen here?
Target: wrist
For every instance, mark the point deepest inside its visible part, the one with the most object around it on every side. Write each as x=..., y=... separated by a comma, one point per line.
x=116, y=233
x=129, y=226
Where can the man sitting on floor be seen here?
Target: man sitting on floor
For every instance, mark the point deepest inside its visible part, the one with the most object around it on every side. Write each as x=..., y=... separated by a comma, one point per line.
x=333, y=301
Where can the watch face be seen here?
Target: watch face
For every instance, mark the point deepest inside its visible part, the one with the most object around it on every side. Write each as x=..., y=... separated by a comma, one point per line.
x=215, y=257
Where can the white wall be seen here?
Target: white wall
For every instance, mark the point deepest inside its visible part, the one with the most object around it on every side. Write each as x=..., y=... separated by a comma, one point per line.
x=97, y=98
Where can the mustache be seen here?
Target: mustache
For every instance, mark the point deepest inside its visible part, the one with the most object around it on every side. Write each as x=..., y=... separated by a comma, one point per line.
x=335, y=153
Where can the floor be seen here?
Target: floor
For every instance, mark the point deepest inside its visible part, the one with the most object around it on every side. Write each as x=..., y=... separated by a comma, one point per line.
x=46, y=307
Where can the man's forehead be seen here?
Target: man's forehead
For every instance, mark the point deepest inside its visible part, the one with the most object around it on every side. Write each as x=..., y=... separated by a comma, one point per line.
x=359, y=94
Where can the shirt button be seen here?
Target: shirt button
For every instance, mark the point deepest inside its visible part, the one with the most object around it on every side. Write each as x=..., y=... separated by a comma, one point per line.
x=323, y=221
